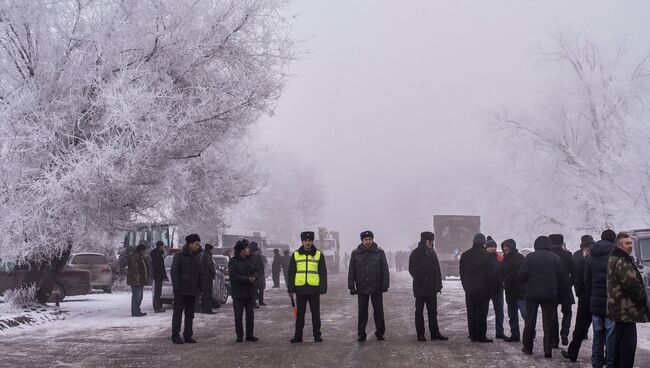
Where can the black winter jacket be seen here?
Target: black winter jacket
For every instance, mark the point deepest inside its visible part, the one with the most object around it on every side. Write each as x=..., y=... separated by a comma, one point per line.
x=307, y=289
x=158, y=264
x=425, y=270
x=566, y=294
x=579, y=277
x=259, y=261
x=368, y=272
x=543, y=274
x=596, y=276
x=477, y=272
x=207, y=269
x=513, y=285
x=186, y=273
x=240, y=269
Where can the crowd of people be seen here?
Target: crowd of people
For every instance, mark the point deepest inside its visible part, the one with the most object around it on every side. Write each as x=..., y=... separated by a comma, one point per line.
x=609, y=287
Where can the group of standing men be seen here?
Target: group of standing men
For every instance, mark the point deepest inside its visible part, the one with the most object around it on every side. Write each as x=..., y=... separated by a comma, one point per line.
x=609, y=287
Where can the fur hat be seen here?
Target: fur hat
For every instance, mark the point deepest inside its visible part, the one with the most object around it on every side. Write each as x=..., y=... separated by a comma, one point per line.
x=307, y=235
x=192, y=238
x=427, y=235
x=367, y=234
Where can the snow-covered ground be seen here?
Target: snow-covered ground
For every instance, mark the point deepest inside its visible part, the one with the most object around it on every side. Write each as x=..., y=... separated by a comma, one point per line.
x=97, y=330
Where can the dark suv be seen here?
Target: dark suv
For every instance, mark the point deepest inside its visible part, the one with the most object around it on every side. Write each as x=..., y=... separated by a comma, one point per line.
x=641, y=254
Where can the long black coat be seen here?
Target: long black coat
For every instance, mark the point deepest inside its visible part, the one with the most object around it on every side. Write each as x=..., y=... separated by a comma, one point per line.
x=368, y=272
x=596, y=276
x=240, y=269
x=208, y=270
x=158, y=264
x=544, y=275
x=579, y=277
x=477, y=272
x=259, y=261
x=186, y=273
x=425, y=270
x=278, y=260
x=566, y=294
x=515, y=288
x=307, y=289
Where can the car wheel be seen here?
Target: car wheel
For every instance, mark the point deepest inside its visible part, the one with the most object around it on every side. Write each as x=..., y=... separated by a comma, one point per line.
x=224, y=297
x=58, y=293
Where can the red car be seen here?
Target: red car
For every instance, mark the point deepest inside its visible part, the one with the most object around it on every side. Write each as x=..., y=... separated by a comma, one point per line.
x=69, y=281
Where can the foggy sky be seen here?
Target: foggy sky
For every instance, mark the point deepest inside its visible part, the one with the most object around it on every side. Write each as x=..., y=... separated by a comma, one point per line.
x=388, y=98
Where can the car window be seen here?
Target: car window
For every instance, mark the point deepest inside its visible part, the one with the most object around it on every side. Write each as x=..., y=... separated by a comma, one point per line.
x=168, y=261
x=89, y=259
x=644, y=249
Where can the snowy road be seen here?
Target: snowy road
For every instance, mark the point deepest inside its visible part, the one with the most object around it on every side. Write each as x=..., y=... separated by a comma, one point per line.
x=99, y=333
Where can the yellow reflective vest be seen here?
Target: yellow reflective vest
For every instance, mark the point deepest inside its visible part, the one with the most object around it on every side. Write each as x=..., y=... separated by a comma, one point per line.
x=307, y=269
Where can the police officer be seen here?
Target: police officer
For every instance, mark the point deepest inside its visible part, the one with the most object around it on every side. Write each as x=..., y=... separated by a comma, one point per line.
x=307, y=280
x=368, y=278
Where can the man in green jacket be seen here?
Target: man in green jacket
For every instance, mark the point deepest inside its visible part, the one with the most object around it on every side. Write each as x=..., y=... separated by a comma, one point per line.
x=627, y=301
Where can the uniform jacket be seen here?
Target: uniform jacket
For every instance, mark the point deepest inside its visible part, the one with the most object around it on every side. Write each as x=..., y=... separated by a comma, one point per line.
x=368, y=272
x=307, y=289
x=627, y=300
x=425, y=270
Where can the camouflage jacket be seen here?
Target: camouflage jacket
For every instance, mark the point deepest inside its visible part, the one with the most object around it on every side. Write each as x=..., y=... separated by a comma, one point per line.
x=627, y=300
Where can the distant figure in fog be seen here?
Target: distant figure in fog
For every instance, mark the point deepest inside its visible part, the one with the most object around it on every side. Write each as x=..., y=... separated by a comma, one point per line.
x=207, y=281
x=276, y=268
x=157, y=256
x=137, y=277
x=186, y=282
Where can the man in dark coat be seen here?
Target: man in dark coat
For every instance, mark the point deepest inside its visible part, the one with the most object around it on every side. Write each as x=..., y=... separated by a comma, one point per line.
x=496, y=296
x=259, y=261
x=186, y=282
x=514, y=287
x=243, y=278
x=596, y=280
x=207, y=281
x=137, y=277
x=307, y=281
x=583, y=314
x=544, y=274
x=427, y=283
x=627, y=300
x=566, y=299
x=368, y=278
x=477, y=275
x=276, y=268
x=157, y=256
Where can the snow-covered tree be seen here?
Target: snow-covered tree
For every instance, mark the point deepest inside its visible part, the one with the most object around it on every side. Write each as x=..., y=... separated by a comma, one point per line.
x=579, y=158
x=110, y=110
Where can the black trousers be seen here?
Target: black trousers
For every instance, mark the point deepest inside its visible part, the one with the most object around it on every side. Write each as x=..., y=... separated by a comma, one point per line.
x=583, y=322
x=301, y=308
x=377, y=313
x=276, y=278
x=549, y=315
x=206, y=295
x=625, y=345
x=567, y=313
x=183, y=304
x=157, y=291
x=431, y=302
x=239, y=305
x=477, y=310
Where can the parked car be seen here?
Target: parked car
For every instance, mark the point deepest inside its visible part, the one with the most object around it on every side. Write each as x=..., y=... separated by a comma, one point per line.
x=222, y=264
x=220, y=291
x=101, y=275
x=69, y=281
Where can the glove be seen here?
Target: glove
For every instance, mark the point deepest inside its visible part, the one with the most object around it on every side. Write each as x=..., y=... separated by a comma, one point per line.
x=353, y=292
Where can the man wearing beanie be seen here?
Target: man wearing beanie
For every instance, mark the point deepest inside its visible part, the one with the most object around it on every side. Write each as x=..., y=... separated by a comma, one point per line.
x=596, y=281
x=207, y=282
x=496, y=296
x=186, y=281
x=476, y=272
x=427, y=283
x=583, y=314
x=368, y=278
x=307, y=281
x=543, y=272
x=243, y=278
x=514, y=287
x=566, y=299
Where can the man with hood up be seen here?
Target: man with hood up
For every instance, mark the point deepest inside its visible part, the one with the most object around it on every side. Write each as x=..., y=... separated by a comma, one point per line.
x=596, y=281
x=566, y=299
x=476, y=275
x=186, y=281
x=368, y=278
x=543, y=272
x=427, y=283
x=307, y=280
x=514, y=287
